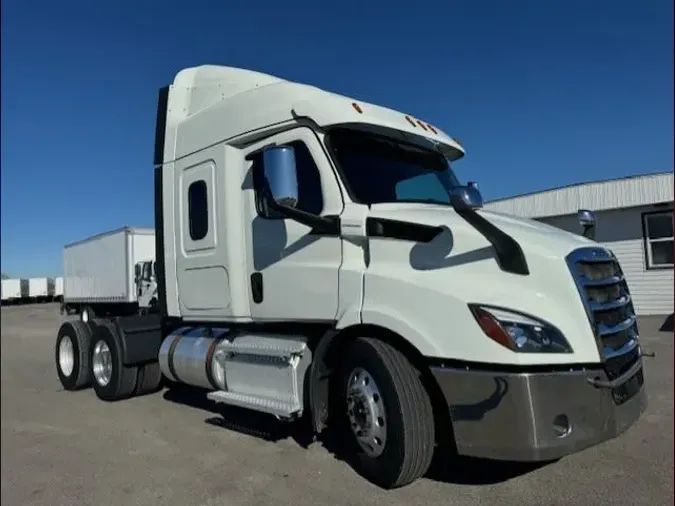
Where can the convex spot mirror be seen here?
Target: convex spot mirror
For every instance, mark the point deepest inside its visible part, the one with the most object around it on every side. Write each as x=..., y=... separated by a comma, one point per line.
x=467, y=197
x=587, y=222
x=281, y=174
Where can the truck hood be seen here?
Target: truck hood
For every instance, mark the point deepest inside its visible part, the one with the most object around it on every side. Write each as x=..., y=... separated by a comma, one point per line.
x=457, y=268
x=533, y=236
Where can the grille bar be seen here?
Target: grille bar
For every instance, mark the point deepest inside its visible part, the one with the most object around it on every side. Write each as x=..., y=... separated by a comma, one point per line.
x=612, y=280
x=606, y=330
x=604, y=293
x=614, y=304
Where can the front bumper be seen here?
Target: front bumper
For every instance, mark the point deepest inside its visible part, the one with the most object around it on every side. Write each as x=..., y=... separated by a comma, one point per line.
x=539, y=416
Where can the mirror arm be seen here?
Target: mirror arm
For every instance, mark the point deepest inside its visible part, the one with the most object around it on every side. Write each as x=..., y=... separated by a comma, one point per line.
x=589, y=232
x=318, y=223
x=510, y=256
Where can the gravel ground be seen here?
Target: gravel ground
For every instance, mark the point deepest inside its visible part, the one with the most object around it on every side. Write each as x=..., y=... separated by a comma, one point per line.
x=61, y=448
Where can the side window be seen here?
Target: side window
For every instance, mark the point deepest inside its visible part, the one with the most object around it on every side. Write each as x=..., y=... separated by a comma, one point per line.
x=147, y=273
x=198, y=210
x=310, y=197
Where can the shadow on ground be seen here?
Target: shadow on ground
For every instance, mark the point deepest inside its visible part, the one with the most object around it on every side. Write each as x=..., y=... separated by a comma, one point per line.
x=667, y=324
x=454, y=470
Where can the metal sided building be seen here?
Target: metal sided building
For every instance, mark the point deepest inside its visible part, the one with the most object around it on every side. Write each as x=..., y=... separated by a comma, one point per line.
x=634, y=219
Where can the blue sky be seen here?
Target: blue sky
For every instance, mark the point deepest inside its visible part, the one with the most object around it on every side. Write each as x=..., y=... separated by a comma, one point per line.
x=541, y=93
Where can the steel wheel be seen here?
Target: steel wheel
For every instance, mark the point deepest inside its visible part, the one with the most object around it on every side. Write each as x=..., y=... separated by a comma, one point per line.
x=102, y=363
x=366, y=412
x=66, y=356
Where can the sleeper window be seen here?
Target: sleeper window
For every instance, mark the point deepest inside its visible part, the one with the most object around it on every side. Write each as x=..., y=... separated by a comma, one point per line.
x=198, y=210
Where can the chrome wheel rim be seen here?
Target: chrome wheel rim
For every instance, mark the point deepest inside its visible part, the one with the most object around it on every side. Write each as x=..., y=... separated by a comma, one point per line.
x=102, y=363
x=66, y=356
x=366, y=413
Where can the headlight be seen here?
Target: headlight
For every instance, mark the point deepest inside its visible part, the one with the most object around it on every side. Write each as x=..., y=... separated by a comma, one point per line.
x=518, y=332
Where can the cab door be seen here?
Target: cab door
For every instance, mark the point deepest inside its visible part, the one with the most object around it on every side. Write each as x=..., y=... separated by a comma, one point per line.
x=293, y=270
x=201, y=272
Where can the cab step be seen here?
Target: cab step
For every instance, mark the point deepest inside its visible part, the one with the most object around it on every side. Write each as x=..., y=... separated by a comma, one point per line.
x=280, y=408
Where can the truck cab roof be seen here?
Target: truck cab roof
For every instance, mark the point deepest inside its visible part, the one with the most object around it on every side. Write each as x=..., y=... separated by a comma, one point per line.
x=252, y=100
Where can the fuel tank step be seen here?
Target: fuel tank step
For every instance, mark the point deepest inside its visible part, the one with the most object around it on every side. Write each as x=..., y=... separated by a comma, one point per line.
x=271, y=406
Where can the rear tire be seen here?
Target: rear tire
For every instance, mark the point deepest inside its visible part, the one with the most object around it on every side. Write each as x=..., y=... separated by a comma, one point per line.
x=72, y=355
x=396, y=422
x=149, y=379
x=111, y=379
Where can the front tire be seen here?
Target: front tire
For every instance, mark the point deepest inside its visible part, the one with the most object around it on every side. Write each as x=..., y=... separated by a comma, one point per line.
x=387, y=414
x=72, y=355
x=111, y=379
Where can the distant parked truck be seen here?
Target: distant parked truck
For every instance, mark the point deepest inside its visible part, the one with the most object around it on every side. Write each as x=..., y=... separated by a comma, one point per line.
x=110, y=274
x=40, y=289
x=58, y=289
x=11, y=291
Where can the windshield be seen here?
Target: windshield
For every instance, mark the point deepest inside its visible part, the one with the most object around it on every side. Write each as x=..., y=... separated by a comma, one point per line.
x=379, y=169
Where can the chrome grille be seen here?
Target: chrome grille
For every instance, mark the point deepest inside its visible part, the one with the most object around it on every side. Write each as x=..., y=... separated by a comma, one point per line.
x=607, y=300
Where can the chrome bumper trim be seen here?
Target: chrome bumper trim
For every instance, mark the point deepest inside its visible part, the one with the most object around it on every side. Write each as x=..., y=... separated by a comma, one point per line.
x=538, y=417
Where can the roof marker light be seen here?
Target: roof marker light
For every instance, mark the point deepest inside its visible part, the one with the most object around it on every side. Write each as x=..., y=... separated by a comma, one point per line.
x=422, y=125
x=411, y=121
x=432, y=129
x=357, y=108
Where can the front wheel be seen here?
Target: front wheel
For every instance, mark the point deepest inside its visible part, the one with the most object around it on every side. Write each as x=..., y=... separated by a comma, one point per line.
x=386, y=414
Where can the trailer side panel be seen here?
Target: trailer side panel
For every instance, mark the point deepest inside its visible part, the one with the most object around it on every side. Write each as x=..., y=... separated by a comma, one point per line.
x=11, y=289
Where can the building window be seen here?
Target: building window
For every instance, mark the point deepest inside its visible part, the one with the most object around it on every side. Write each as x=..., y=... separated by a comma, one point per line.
x=198, y=210
x=659, y=243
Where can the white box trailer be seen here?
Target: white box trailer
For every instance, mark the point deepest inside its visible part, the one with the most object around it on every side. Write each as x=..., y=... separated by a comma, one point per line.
x=40, y=289
x=99, y=272
x=11, y=290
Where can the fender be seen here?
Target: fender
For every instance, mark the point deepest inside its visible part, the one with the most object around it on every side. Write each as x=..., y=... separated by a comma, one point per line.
x=381, y=317
x=320, y=373
x=139, y=337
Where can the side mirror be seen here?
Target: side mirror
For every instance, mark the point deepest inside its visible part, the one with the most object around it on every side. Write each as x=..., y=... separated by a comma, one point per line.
x=473, y=184
x=465, y=198
x=281, y=174
x=587, y=222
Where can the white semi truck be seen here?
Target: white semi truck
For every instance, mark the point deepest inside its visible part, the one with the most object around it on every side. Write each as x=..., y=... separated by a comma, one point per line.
x=317, y=255
x=110, y=274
